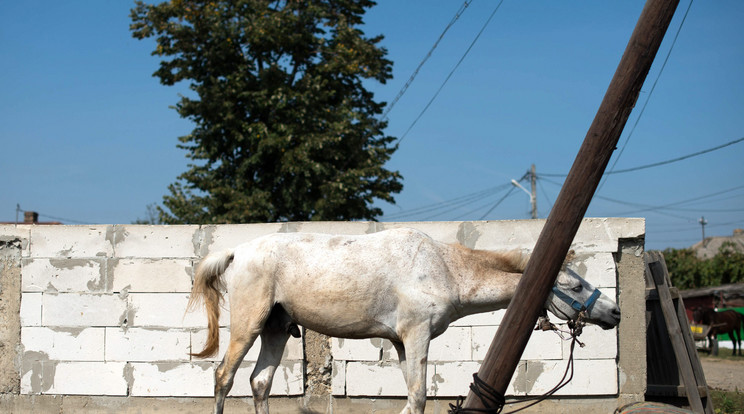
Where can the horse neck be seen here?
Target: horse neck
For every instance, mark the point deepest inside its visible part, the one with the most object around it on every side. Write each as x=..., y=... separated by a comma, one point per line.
x=486, y=281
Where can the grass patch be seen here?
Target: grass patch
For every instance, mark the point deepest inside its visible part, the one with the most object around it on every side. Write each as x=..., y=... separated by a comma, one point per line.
x=727, y=402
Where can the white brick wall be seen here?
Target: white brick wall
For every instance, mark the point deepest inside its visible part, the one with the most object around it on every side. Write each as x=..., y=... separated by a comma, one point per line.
x=103, y=313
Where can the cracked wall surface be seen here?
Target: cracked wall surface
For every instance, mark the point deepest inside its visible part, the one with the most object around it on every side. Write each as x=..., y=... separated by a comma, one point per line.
x=102, y=313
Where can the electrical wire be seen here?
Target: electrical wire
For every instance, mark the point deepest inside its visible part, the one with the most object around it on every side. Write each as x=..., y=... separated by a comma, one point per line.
x=660, y=163
x=408, y=83
x=451, y=73
x=648, y=97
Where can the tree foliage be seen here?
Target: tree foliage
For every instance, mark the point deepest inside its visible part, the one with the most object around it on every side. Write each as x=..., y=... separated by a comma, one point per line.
x=687, y=271
x=285, y=129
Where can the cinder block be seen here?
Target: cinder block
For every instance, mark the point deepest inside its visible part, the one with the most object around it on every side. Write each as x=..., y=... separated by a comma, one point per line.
x=366, y=379
x=597, y=268
x=356, y=349
x=145, y=345
x=453, y=345
x=64, y=344
x=292, y=351
x=71, y=241
x=218, y=238
x=170, y=379
x=451, y=379
x=31, y=309
x=338, y=378
x=164, y=310
x=591, y=377
x=288, y=380
x=89, y=378
x=64, y=275
x=598, y=344
x=156, y=241
x=152, y=275
x=542, y=345
x=81, y=309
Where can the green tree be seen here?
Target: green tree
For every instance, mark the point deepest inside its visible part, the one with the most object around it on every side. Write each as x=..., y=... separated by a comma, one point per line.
x=285, y=128
x=689, y=272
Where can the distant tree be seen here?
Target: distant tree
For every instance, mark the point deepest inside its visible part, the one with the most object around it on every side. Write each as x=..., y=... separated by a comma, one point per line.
x=285, y=129
x=152, y=216
x=689, y=272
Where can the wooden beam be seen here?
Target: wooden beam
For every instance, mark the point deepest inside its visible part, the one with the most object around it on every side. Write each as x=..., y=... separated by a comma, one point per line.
x=563, y=222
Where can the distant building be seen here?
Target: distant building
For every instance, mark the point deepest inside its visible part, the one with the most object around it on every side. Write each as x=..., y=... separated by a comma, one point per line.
x=709, y=247
x=31, y=217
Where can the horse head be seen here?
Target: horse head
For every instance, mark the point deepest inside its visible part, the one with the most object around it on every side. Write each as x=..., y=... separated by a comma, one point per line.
x=572, y=294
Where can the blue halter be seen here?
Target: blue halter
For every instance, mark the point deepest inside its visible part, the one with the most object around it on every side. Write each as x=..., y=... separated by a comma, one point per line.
x=575, y=304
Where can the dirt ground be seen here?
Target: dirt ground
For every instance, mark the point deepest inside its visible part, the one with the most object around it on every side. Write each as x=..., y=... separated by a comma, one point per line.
x=724, y=374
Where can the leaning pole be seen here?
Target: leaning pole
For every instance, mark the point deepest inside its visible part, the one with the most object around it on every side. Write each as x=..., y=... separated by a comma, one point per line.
x=563, y=222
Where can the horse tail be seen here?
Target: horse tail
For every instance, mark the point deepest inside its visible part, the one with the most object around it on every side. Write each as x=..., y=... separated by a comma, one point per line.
x=208, y=286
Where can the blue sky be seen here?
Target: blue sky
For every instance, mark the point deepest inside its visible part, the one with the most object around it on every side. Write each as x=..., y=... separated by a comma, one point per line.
x=87, y=135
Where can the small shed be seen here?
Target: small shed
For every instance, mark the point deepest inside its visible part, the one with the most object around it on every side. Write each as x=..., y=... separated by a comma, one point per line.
x=718, y=297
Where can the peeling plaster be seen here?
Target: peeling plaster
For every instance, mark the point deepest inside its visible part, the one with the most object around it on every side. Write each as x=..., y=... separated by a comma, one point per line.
x=468, y=234
x=41, y=369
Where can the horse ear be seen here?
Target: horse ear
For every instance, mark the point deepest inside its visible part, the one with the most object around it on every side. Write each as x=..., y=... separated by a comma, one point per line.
x=570, y=256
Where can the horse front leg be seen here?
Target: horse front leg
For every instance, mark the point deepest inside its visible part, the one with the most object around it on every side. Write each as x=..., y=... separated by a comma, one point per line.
x=416, y=357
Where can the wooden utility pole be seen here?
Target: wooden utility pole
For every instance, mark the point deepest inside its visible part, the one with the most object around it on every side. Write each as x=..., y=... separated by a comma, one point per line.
x=565, y=217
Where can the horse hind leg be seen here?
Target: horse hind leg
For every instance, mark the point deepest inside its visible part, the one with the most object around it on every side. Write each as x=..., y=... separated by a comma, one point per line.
x=274, y=338
x=245, y=327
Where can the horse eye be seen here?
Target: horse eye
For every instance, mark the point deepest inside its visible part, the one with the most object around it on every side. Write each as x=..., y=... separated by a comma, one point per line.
x=578, y=289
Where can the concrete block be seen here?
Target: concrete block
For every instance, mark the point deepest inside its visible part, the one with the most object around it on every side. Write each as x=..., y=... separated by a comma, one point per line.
x=598, y=269
x=338, y=378
x=356, y=349
x=81, y=344
x=31, y=309
x=453, y=345
x=591, y=377
x=152, y=275
x=288, y=380
x=292, y=351
x=542, y=345
x=146, y=345
x=171, y=379
x=451, y=379
x=221, y=237
x=64, y=275
x=598, y=344
x=73, y=309
x=89, y=378
x=374, y=380
x=503, y=235
x=71, y=241
x=156, y=241
x=164, y=310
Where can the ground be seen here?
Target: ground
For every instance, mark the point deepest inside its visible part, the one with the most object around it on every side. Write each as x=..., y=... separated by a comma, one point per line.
x=724, y=374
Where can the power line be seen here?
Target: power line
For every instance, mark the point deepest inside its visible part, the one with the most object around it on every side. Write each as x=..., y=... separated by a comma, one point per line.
x=648, y=97
x=19, y=209
x=660, y=163
x=456, y=202
x=408, y=83
x=451, y=72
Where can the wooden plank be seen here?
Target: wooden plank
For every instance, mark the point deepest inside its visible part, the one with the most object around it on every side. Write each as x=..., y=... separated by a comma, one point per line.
x=573, y=200
x=654, y=267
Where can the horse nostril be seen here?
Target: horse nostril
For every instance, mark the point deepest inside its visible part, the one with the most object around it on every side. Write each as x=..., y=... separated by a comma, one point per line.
x=616, y=312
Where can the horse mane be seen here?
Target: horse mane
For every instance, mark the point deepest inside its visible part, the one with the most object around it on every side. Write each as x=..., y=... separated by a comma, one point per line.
x=512, y=261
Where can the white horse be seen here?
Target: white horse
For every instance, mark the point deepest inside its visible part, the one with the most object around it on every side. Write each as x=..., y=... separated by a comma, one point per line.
x=397, y=284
